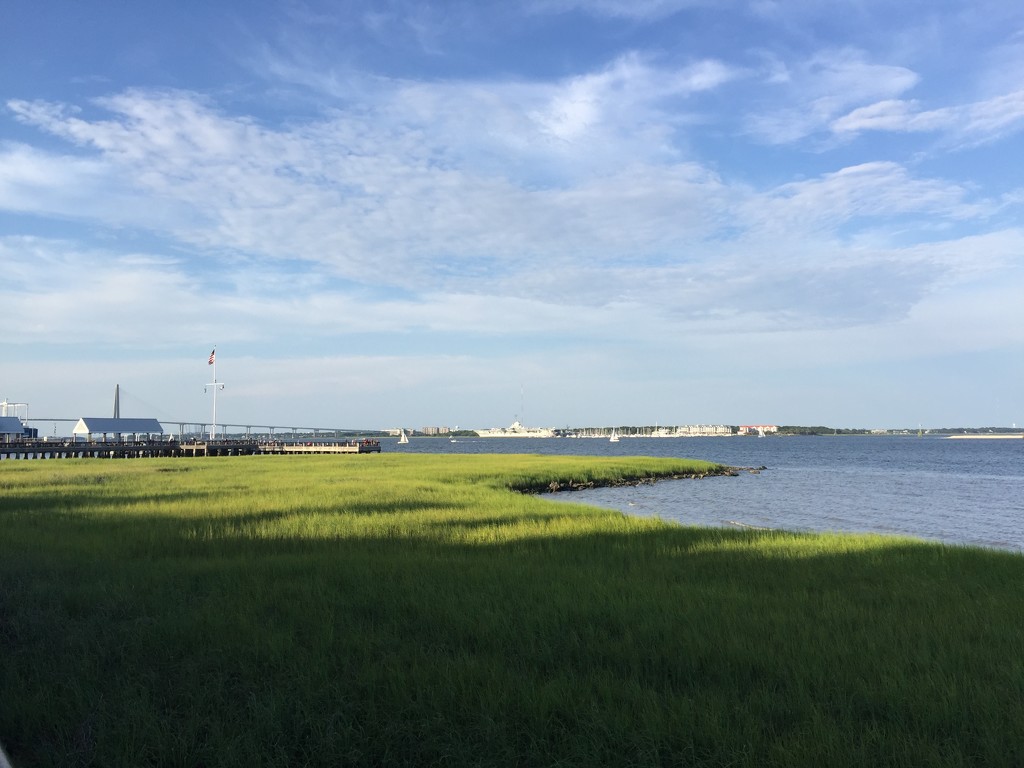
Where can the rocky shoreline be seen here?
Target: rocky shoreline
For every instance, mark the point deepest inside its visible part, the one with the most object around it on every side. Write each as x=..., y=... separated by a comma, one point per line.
x=556, y=486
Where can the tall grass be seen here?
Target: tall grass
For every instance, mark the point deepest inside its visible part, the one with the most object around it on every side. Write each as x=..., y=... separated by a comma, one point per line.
x=411, y=610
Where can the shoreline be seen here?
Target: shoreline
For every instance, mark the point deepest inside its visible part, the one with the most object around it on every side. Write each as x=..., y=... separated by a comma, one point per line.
x=556, y=486
x=1008, y=436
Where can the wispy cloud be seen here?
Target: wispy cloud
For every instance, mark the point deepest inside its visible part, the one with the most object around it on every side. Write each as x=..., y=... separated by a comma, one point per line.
x=822, y=88
x=623, y=9
x=564, y=209
x=629, y=85
x=969, y=124
x=417, y=188
x=402, y=208
x=878, y=189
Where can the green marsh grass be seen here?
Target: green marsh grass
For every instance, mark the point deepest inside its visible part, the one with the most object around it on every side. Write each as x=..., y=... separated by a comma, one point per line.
x=413, y=610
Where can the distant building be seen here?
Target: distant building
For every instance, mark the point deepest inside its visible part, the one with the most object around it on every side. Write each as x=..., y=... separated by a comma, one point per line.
x=758, y=429
x=703, y=430
x=435, y=430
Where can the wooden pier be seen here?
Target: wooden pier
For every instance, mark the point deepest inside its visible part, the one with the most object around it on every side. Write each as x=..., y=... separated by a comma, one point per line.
x=314, y=446
x=70, y=449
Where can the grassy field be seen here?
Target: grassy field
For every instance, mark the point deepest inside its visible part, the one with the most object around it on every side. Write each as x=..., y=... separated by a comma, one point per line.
x=410, y=610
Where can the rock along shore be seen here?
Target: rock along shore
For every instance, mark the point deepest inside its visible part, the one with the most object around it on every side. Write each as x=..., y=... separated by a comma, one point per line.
x=556, y=486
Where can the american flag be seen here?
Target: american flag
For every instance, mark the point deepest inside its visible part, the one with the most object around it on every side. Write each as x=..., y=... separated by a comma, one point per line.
x=213, y=356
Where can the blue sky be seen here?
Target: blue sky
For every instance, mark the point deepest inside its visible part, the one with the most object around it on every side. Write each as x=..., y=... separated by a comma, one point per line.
x=570, y=212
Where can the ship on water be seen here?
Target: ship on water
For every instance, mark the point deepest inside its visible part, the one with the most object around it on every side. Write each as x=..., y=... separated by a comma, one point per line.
x=516, y=430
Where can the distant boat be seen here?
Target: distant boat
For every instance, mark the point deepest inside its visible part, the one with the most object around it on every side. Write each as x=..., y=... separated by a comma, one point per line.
x=403, y=438
x=516, y=430
x=614, y=438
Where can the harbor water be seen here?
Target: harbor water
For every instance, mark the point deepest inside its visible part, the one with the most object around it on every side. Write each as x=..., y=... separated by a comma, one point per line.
x=954, y=491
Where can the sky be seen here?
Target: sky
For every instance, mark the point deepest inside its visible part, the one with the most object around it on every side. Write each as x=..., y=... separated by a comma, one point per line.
x=566, y=212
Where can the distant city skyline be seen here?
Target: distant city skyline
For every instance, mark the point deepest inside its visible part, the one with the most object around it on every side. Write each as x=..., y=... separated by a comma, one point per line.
x=62, y=427
x=567, y=212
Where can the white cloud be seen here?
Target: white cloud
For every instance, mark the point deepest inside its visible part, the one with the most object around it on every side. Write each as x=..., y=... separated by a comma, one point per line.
x=269, y=219
x=822, y=88
x=630, y=87
x=877, y=189
x=392, y=194
x=54, y=291
x=57, y=292
x=969, y=124
x=639, y=10
x=559, y=210
x=890, y=115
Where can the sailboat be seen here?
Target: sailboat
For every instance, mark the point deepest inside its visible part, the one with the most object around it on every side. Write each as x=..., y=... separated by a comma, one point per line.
x=614, y=438
x=403, y=438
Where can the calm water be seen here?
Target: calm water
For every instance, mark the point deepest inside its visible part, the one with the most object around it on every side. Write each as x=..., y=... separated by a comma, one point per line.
x=956, y=491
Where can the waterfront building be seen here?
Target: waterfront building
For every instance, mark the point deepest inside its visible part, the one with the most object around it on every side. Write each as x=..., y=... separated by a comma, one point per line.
x=134, y=429
x=758, y=429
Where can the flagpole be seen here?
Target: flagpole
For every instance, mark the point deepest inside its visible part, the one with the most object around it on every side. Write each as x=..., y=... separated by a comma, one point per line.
x=213, y=361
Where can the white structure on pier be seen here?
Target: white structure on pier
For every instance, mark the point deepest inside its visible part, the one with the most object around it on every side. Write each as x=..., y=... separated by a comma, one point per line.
x=118, y=428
